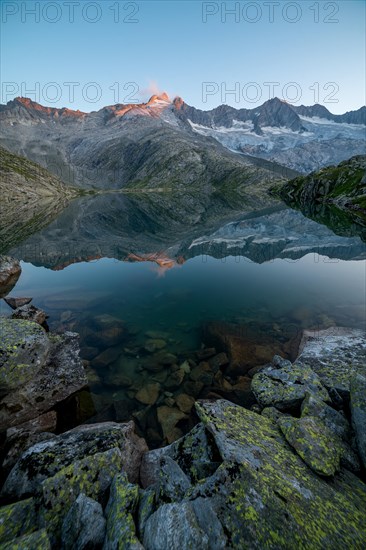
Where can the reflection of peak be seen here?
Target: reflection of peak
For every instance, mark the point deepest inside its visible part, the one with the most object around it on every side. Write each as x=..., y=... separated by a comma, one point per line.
x=159, y=258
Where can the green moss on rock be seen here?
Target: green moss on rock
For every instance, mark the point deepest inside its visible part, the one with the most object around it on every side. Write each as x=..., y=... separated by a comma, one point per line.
x=17, y=519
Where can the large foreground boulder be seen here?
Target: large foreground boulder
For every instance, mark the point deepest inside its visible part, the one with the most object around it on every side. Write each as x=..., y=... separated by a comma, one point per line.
x=37, y=370
x=46, y=459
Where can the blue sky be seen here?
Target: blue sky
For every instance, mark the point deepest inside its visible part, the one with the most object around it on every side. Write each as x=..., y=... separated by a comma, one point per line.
x=304, y=52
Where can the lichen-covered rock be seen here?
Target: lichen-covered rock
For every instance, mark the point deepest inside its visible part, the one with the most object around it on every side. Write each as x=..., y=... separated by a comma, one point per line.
x=84, y=525
x=24, y=349
x=57, y=371
x=358, y=412
x=174, y=527
x=122, y=504
x=35, y=541
x=312, y=440
x=284, y=386
x=147, y=506
x=335, y=354
x=194, y=453
x=91, y=476
x=17, y=519
x=45, y=459
x=173, y=482
x=334, y=420
x=264, y=494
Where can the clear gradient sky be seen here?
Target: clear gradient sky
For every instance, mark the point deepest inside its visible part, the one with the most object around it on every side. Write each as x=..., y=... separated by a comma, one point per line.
x=84, y=55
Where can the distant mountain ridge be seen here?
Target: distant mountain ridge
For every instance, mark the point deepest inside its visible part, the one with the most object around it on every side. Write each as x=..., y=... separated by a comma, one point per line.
x=166, y=142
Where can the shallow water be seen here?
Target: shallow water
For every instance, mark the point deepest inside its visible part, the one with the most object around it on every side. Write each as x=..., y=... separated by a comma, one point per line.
x=288, y=284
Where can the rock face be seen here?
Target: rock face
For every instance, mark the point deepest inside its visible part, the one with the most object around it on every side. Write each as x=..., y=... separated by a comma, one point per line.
x=36, y=371
x=343, y=186
x=10, y=271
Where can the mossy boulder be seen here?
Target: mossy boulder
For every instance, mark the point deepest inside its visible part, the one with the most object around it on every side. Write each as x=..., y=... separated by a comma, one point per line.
x=35, y=541
x=336, y=355
x=358, y=411
x=45, y=459
x=284, y=386
x=17, y=519
x=24, y=349
x=91, y=476
x=312, y=440
x=122, y=504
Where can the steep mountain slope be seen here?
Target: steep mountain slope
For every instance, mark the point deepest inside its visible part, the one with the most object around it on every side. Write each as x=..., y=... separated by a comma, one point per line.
x=31, y=198
x=343, y=186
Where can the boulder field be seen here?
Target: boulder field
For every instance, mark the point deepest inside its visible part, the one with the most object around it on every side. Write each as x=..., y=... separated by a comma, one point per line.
x=290, y=472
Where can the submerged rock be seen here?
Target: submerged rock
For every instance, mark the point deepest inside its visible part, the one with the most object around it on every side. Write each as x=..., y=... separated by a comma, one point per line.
x=284, y=385
x=336, y=355
x=168, y=418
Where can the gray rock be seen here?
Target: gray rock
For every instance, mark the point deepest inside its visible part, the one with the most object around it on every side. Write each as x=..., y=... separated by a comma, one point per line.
x=24, y=349
x=312, y=440
x=208, y=521
x=173, y=482
x=358, y=412
x=17, y=519
x=15, y=302
x=334, y=420
x=147, y=506
x=122, y=504
x=35, y=541
x=174, y=527
x=92, y=476
x=263, y=486
x=45, y=459
x=286, y=385
x=10, y=271
x=84, y=525
x=336, y=355
x=30, y=313
x=56, y=373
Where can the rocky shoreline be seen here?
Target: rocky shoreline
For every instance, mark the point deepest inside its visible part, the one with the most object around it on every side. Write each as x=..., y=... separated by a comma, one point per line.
x=288, y=470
